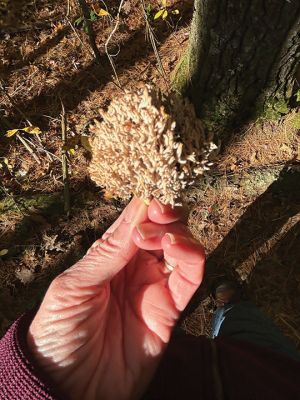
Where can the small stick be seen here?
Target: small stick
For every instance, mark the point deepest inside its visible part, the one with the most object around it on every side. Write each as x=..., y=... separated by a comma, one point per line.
x=2, y=86
x=90, y=31
x=41, y=148
x=78, y=37
x=64, y=161
x=28, y=148
x=109, y=39
x=153, y=40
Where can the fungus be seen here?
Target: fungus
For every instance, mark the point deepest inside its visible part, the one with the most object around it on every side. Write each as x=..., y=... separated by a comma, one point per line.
x=150, y=145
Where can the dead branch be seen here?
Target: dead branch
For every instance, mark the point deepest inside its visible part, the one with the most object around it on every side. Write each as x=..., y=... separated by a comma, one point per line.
x=110, y=57
x=28, y=148
x=64, y=161
x=151, y=37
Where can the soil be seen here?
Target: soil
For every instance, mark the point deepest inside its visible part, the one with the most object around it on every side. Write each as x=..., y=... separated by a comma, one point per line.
x=245, y=210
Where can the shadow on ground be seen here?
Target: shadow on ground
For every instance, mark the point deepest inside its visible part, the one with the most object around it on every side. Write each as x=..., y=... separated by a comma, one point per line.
x=262, y=220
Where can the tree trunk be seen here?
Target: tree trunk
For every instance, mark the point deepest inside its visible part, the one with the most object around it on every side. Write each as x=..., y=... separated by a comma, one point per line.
x=241, y=60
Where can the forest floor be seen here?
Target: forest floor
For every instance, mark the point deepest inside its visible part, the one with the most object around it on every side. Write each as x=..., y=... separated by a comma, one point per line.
x=245, y=211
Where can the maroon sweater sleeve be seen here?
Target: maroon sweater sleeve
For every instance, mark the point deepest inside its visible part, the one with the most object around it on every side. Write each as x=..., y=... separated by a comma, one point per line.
x=20, y=378
x=193, y=368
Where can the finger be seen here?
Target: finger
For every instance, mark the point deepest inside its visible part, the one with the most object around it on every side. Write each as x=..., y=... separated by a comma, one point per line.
x=124, y=215
x=164, y=214
x=186, y=277
x=148, y=235
x=107, y=257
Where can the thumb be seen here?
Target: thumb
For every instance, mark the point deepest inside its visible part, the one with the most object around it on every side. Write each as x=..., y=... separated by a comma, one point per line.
x=108, y=256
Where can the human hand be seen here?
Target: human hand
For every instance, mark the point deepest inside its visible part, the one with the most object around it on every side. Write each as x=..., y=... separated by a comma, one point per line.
x=105, y=322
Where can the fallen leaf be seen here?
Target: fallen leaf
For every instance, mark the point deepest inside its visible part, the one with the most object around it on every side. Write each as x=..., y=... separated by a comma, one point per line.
x=102, y=13
x=165, y=14
x=84, y=140
x=34, y=130
x=108, y=195
x=11, y=132
x=3, y=252
x=51, y=243
x=158, y=14
x=25, y=275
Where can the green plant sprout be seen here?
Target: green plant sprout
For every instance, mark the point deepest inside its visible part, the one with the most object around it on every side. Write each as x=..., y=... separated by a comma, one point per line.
x=74, y=142
x=95, y=14
x=163, y=12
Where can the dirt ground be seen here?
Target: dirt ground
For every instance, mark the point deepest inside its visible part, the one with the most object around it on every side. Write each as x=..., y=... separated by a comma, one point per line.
x=245, y=211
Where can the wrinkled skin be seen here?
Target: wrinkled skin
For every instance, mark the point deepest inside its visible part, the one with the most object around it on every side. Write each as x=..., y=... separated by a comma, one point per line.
x=105, y=322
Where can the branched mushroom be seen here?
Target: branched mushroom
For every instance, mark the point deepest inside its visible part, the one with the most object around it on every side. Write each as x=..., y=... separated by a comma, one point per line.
x=149, y=145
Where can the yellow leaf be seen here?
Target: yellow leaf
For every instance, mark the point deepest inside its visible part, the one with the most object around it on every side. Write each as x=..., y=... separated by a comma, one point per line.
x=164, y=3
x=3, y=252
x=72, y=152
x=11, y=132
x=165, y=14
x=34, y=130
x=175, y=11
x=108, y=195
x=158, y=14
x=58, y=27
x=6, y=162
x=102, y=13
x=85, y=143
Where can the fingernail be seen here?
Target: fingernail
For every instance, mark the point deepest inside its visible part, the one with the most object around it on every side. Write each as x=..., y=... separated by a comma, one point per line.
x=171, y=237
x=161, y=206
x=146, y=232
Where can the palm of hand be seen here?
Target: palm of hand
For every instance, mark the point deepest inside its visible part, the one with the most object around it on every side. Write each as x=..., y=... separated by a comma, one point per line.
x=102, y=329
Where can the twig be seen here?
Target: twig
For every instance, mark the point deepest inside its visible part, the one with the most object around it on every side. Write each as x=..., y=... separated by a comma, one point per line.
x=2, y=87
x=110, y=57
x=64, y=161
x=90, y=31
x=78, y=37
x=28, y=148
x=291, y=327
x=41, y=148
x=151, y=37
x=68, y=8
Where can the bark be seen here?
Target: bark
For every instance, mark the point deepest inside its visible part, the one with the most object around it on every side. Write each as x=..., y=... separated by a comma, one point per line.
x=242, y=59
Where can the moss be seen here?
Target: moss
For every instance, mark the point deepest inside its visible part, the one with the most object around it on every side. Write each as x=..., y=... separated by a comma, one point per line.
x=180, y=77
x=216, y=117
x=258, y=181
x=271, y=110
x=47, y=203
x=296, y=120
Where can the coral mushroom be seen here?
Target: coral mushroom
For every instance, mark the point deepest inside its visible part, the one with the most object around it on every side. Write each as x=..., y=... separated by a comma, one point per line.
x=149, y=145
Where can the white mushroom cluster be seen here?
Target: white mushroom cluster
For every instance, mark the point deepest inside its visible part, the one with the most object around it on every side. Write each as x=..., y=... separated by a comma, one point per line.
x=150, y=145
